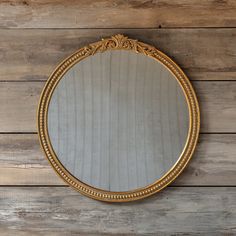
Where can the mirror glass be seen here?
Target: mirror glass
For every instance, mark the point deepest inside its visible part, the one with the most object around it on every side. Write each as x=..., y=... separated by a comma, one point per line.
x=118, y=120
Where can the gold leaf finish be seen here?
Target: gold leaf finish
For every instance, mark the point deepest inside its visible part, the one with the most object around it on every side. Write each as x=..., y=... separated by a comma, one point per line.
x=119, y=42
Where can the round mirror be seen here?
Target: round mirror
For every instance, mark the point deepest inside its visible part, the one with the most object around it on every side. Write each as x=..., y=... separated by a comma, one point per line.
x=118, y=125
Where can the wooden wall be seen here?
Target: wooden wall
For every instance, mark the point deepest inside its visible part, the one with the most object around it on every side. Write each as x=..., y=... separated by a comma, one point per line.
x=36, y=35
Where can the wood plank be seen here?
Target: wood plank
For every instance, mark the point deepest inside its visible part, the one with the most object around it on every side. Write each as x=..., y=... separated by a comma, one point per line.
x=28, y=55
x=213, y=162
x=18, y=106
x=116, y=14
x=217, y=105
x=23, y=163
x=174, y=211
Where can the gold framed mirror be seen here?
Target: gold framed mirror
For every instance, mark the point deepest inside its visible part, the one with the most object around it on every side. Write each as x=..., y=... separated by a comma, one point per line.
x=118, y=120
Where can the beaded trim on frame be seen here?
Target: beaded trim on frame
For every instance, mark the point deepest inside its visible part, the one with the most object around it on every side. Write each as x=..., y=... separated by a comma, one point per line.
x=119, y=42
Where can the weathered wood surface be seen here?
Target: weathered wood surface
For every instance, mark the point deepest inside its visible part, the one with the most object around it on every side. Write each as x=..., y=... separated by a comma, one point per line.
x=116, y=14
x=18, y=106
x=23, y=163
x=213, y=162
x=63, y=211
x=32, y=54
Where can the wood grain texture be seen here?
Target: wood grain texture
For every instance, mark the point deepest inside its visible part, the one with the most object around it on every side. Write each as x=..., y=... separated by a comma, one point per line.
x=33, y=54
x=116, y=14
x=213, y=162
x=23, y=163
x=174, y=211
x=18, y=106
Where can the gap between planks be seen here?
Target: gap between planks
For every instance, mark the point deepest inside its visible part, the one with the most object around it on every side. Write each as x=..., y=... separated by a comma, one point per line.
x=233, y=133
x=40, y=81
x=67, y=186
x=123, y=28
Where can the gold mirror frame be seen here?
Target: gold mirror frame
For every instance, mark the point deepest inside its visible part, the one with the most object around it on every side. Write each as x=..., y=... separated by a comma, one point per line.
x=119, y=42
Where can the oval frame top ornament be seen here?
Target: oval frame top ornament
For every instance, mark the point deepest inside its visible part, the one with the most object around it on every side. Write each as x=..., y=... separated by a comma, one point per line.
x=119, y=42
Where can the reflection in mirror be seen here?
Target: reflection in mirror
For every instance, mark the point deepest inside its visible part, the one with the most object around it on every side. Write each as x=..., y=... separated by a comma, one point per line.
x=118, y=120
